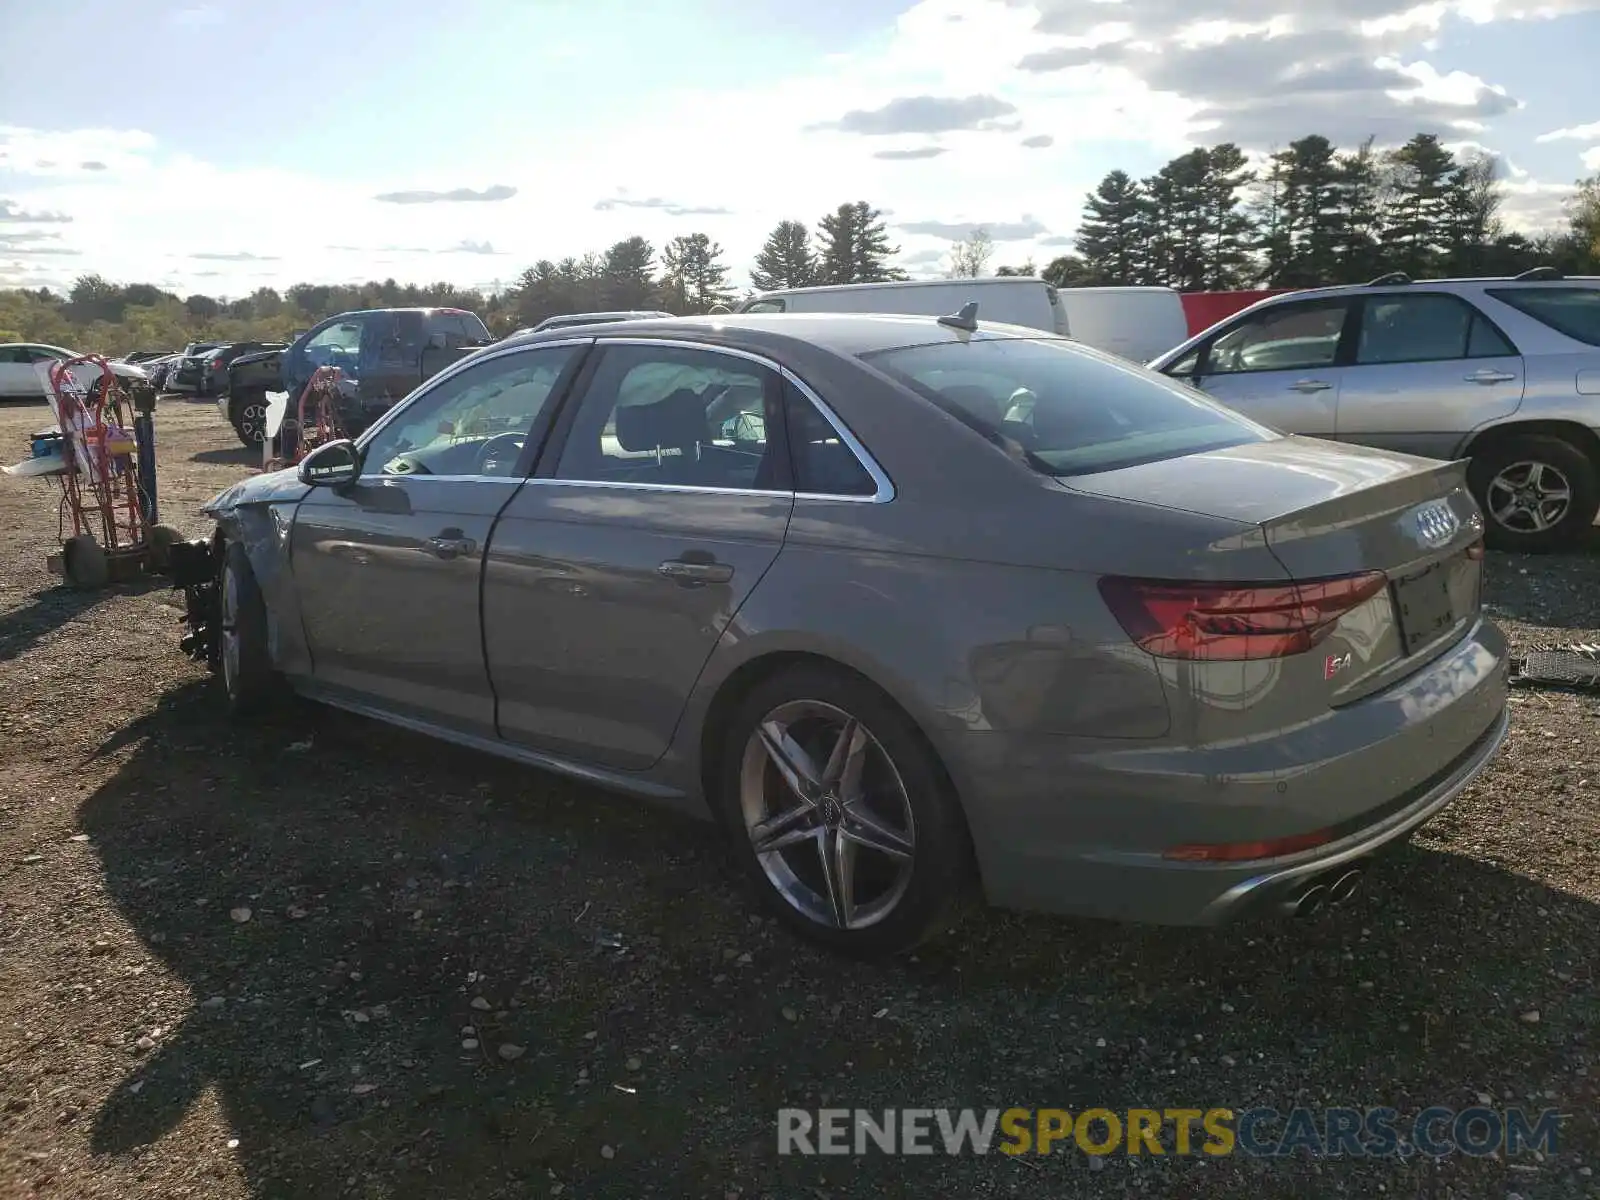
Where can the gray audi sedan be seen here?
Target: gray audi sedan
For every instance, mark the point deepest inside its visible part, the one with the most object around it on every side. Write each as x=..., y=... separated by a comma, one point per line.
x=906, y=604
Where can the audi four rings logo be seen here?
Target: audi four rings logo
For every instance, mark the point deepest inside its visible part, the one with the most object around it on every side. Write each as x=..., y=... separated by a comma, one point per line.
x=1437, y=524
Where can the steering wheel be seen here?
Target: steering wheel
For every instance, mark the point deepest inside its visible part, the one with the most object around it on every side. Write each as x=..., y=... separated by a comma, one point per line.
x=495, y=450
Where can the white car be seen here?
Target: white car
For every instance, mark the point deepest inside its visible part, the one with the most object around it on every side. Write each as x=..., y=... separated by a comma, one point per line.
x=23, y=370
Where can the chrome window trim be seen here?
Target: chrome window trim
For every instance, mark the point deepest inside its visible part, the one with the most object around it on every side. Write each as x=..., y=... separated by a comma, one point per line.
x=884, y=490
x=427, y=386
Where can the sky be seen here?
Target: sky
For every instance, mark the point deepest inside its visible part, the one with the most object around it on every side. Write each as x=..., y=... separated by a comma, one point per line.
x=220, y=146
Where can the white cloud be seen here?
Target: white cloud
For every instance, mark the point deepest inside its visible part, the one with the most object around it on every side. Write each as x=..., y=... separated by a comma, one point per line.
x=1591, y=159
x=936, y=123
x=1576, y=133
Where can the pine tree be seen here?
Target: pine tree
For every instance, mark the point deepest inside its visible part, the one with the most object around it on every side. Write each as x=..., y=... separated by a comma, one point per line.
x=786, y=259
x=1420, y=173
x=1111, y=236
x=855, y=246
x=1228, y=230
x=1360, y=205
x=692, y=276
x=626, y=280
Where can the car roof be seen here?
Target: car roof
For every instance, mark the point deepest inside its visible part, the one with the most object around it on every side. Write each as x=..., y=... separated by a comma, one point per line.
x=1463, y=283
x=847, y=334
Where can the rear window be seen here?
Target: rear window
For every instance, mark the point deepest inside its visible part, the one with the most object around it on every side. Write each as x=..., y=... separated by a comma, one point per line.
x=1572, y=311
x=1064, y=409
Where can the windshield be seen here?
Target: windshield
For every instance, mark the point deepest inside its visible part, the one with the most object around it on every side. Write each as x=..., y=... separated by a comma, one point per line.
x=1062, y=408
x=1572, y=311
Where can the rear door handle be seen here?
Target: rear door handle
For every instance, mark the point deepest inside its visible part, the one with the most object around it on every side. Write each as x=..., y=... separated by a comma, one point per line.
x=695, y=572
x=1309, y=385
x=451, y=547
x=1488, y=376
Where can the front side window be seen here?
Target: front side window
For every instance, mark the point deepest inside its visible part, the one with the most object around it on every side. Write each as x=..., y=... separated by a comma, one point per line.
x=1290, y=337
x=765, y=306
x=339, y=345
x=1062, y=409
x=677, y=417
x=475, y=422
x=1424, y=327
x=1574, y=312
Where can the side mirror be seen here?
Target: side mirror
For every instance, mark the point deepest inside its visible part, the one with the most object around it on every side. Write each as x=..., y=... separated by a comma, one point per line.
x=333, y=464
x=436, y=341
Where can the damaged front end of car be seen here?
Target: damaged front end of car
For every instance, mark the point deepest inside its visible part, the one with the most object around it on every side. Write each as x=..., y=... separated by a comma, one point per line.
x=256, y=513
x=196, y=569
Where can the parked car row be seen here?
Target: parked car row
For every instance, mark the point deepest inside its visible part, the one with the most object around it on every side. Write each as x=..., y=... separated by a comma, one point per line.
x=24, y=367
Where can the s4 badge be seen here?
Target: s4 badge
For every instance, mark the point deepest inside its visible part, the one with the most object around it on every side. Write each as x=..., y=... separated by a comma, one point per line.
x=1335, y=663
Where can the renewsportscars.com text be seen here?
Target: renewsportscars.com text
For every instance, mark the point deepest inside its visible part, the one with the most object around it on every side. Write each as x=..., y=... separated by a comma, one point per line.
x=1256, y=1132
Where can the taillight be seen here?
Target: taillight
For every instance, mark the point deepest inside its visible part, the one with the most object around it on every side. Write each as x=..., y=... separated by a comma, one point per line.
x=1232, y=621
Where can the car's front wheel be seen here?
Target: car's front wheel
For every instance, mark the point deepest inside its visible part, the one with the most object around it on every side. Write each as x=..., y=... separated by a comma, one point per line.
x=840, y=812
x=1539, y=493
x=244, y=661
x=248, y=412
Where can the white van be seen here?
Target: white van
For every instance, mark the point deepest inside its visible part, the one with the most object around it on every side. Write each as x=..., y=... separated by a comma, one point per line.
x=1134, y=322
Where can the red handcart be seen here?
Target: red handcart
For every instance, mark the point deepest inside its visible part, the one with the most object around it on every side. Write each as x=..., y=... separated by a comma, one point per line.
x=314, y=421
x=103, y=488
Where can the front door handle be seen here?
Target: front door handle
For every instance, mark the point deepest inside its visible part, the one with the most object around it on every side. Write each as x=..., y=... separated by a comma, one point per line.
x=1487, y=376
x=1309, y=385
x=691, y=573
x=445, y=546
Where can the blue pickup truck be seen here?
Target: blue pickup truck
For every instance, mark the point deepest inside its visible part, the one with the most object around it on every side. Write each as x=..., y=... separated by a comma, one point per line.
x=383, y=353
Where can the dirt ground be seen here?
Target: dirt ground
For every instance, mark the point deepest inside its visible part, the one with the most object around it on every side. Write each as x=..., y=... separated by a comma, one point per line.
x=156, y=1043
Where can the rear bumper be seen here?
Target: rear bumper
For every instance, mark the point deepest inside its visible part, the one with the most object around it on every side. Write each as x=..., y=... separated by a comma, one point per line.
x=1072, y=828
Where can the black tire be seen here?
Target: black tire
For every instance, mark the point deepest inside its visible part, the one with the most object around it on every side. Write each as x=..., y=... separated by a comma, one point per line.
x=244, y=667
x=84, y=564
x=1497, y=471
x=248, y=413
x=905, y=910
x=161, y=539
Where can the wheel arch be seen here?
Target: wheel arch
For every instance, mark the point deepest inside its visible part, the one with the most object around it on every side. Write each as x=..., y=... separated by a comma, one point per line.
x=1575, y=432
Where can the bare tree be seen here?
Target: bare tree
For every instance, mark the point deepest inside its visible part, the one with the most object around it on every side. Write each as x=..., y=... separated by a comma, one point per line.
x=970, y=258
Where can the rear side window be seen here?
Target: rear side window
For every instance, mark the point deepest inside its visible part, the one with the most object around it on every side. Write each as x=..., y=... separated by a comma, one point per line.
x=1425, y=327
x=1572, y=311
x=824, y=464
x=1064, y=409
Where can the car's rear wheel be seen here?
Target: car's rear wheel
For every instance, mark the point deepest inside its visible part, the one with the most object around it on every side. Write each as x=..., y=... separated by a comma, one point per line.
x=1539, y=493
x=249, y=415
x=244, y=662
x=840, y=812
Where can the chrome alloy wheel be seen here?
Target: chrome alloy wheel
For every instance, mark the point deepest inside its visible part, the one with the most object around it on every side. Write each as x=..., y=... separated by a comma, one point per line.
x=1529, y=497
x=827, y=814
x=253, y=422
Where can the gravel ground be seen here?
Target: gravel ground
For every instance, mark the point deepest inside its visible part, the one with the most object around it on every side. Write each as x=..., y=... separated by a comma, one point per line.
x=244, y=961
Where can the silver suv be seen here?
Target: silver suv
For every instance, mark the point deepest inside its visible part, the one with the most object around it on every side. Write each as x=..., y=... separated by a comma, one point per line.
x=1504, y=371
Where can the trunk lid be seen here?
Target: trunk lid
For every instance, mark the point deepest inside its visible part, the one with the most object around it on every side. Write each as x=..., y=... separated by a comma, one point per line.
x=1329, y=509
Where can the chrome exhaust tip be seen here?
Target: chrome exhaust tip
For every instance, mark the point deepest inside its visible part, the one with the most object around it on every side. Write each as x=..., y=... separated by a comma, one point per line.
x=1342, y=888
x=1306, y=902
